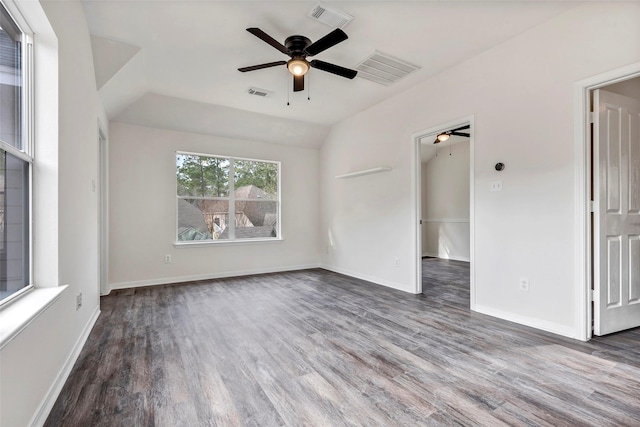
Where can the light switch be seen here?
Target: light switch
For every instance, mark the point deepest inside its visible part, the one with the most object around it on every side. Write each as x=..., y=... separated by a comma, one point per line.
x=496, y=185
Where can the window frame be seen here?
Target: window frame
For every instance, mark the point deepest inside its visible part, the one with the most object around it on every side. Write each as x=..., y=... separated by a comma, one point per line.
x=231, y=198
x=27, y=125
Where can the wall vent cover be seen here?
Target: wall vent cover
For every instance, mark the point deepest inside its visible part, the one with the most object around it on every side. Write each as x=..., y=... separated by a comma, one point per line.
x=259, y=92
x=327, y=15
x=384, y=69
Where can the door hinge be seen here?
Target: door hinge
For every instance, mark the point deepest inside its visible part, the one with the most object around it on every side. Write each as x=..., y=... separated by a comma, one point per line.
x=592, y=206
x=591, y=295
x=591, y=117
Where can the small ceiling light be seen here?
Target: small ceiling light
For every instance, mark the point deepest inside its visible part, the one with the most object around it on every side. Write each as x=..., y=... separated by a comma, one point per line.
x=443, y=137
x=298, y=66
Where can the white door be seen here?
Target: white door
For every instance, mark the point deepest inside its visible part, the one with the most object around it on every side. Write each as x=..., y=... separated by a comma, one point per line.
x=616, y=181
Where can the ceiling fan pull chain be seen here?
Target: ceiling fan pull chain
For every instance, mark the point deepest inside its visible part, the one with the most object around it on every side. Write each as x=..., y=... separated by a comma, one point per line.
x=449, y=147
x=288, y=90
x=308, y=87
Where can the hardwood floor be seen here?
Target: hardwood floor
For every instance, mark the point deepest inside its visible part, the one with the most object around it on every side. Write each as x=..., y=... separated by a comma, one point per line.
x=321, y=349
x=446, y=282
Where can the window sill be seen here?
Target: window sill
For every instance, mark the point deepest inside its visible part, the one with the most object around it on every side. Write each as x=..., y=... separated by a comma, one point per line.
x=198, y=243
x=17, y=315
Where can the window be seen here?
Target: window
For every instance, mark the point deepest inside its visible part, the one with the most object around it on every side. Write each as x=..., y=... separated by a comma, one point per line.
x=225, y=198
x=15, y=159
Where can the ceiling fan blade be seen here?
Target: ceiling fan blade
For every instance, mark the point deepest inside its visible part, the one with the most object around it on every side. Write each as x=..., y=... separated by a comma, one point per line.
x=460, y=134
x=298, y=83
x=334, y=69
x=333, y=38
x=268, y=39
x=460, y=128
x=261, y=66
x=437, y=141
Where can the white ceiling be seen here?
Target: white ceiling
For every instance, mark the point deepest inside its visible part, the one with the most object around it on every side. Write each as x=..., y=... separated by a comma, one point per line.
x=158, y=57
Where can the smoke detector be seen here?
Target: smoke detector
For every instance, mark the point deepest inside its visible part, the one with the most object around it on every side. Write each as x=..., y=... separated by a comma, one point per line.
x=259, y=92
x=330, y=16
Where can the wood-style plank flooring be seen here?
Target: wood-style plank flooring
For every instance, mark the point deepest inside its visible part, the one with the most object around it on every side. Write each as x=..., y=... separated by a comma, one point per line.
x=317, y=348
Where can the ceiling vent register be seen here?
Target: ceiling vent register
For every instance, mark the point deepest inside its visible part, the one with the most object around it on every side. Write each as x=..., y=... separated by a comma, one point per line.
x=259, y=92
x=333, y=17
x=385, y=69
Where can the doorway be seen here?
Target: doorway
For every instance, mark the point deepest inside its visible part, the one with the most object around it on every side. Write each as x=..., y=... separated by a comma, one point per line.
x=608, y=142
x=444, y=199
x=444, y=181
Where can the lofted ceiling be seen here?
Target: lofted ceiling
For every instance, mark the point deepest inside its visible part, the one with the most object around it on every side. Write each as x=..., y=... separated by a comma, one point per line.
x=173, y=63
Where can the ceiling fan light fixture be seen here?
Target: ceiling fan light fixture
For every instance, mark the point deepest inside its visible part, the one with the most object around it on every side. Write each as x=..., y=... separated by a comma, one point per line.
x=443, y=137
x=298, y=66
x=298, y=47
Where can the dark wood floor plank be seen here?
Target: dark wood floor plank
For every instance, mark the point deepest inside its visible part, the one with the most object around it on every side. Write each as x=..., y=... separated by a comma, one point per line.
x=318, y=348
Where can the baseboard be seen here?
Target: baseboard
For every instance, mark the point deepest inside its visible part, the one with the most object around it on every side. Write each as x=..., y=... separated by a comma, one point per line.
x=376, y=280
x=54, y=391
x=208, y=276
x=455, y=258
x=543, y=325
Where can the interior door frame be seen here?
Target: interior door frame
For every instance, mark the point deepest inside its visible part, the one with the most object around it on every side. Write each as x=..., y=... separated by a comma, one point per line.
x=583, y=241
x=103, y=211
x=417, y=196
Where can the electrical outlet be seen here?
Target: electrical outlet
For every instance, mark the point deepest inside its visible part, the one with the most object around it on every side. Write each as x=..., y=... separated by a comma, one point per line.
x=524, y=284
x=167, y=259
x=79, y=301
x=496, y=185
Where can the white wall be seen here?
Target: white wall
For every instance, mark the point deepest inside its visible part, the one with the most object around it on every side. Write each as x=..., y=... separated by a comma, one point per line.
x=80, y=114
x=36, y=362
x=445, y=203
x=520, y=94
x=142, y=214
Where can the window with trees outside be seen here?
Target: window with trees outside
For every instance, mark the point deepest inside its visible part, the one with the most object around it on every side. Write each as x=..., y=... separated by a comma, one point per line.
x=15, y=159
x=225, y=199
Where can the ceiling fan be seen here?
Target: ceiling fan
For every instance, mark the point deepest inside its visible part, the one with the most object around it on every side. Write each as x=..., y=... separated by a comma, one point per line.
x=298, y=48
x=443, y=136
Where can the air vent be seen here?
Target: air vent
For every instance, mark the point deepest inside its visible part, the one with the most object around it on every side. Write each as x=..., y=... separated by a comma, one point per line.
x=384, y=69
x=259, y=92
x=333, y=17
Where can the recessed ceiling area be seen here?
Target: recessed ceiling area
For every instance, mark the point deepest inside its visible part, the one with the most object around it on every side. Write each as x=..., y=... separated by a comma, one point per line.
x=188, y=53
x=161, y=111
